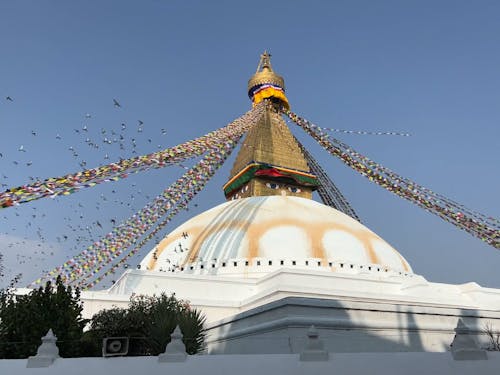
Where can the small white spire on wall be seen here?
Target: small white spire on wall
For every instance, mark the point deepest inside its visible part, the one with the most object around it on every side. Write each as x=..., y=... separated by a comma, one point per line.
x=315, y=348
x=464, y=346
x=47, y=352
x=175, y=350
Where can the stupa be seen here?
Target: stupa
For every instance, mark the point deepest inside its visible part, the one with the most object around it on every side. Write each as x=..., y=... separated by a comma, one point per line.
x=270, y=262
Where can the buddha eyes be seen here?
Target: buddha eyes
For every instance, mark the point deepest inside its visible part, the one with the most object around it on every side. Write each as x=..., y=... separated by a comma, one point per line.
x=275, y=186
x=272, y=185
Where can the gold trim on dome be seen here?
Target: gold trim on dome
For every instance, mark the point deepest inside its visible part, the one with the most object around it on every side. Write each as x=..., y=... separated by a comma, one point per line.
x=255, y=231
x=265, y=74
x=262, y=78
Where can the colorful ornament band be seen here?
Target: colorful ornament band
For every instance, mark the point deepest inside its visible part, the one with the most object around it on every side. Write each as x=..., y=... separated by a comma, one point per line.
x=71, y=183
x=481, y=226
x=268, y=91
x=362, y=132
x=93, y=260
x=193, y=190
x=204, y=170
x=261, y=169
x=327, y=190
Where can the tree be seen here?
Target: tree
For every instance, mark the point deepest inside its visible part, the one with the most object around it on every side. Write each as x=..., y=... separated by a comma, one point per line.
x=493, y=338
x=148, y=322
x=24, y=319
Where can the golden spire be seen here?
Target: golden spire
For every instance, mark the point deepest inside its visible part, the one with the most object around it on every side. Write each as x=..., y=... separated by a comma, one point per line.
x=270, y=161
x=266, y=84
x=265, y=62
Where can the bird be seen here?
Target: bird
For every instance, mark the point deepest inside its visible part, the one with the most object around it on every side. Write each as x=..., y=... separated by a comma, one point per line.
x=140, y=122
x=58, y=136
x=185, y=235
x=115, y=102
x=88, y=115
x=21, y=148
x=33, y=133
x=9, y=98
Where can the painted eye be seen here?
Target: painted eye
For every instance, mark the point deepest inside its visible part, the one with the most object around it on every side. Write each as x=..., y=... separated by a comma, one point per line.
x=272, y=185
x=246, y=188
x=294, y=189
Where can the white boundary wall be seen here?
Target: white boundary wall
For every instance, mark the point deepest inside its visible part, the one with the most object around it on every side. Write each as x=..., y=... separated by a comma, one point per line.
x=338, y=363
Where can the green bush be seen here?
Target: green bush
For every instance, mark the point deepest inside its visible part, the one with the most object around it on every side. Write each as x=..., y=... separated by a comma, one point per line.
x=24, y=319
x=148, y=322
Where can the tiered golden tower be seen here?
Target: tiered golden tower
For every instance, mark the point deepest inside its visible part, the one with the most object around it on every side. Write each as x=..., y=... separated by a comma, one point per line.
x=270, y=161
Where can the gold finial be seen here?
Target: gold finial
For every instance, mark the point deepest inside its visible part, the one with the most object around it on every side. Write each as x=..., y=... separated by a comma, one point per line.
x=271, y=163
x=265, y=62
x=266, y=84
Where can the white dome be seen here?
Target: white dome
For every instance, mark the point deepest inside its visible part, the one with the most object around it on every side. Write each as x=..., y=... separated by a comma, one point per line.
x=252, y=236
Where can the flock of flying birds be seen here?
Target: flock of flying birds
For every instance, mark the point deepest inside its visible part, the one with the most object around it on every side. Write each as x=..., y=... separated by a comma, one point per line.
x=84, y=224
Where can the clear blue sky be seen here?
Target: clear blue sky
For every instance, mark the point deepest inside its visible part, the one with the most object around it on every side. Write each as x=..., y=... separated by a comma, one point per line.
x=430, y=68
